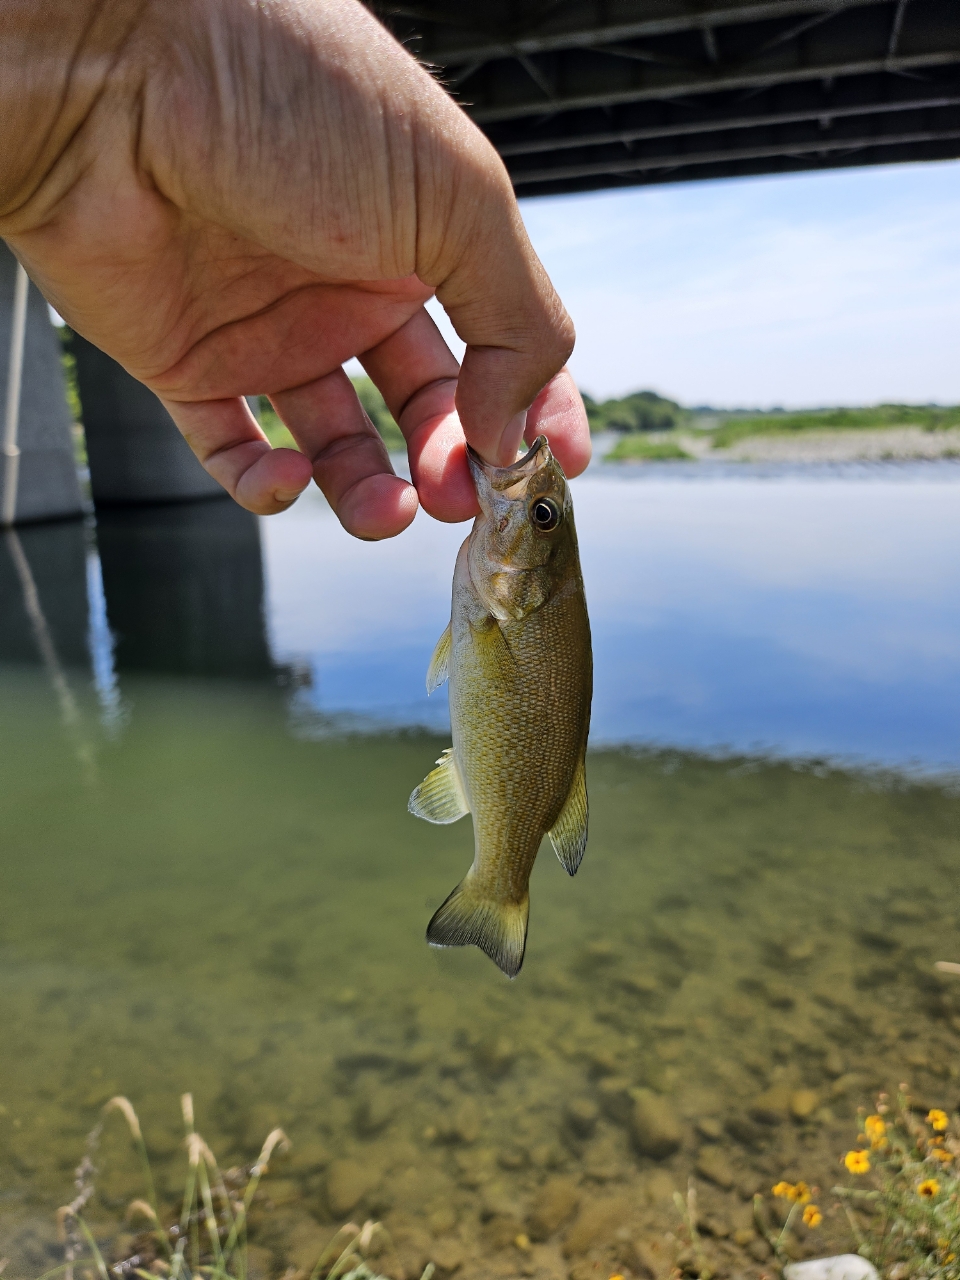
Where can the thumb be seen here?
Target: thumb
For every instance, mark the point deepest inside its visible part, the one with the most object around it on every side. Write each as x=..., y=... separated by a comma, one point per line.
x=501, y=303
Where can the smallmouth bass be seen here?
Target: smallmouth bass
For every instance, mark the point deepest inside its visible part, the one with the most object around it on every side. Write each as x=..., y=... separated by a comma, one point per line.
x=517, y=655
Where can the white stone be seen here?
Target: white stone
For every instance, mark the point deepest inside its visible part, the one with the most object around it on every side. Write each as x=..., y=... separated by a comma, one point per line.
x=844, y=1266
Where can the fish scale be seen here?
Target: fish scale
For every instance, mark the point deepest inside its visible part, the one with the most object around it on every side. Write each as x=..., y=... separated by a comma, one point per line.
x=518, y=658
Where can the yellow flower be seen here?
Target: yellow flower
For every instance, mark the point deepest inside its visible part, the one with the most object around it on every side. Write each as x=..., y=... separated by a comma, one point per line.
x=801, y=1193
x=874, y=1127
x=784, y=1190
x=812, y=1216
x=937, y=1118
x=944, y=1156
x=857, y=1161
x=929, y=1188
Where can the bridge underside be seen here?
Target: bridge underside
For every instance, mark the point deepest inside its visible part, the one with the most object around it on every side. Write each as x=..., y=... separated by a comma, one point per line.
x=582, y=94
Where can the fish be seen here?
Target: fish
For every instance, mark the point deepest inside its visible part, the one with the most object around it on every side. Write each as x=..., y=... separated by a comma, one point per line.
x=518, y=658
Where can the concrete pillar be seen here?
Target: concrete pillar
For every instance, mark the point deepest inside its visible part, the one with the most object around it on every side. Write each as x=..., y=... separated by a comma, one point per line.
x=47, y=485
x=135, y=451
x=185, y=590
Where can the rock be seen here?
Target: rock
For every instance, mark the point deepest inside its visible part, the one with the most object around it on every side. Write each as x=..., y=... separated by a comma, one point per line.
x=309, y=1156
x=494, y=1056
x=260, y=1263
x=447, y=1255
x=503, y=1230
x=555, y=1202
x=843, y=1266
x=653, y=1125
x=771, y=1107
x=442, y=1220
x=615, y=1095
x=305, y=1244
x=803, y=1104
x=463, y=1125
x=713, y=1226
x=582, y=1116
x=744, y=1236
x=658, y=1187
x=374, y=1111
x=710, y=1128
x=758, y=1249
x=348, y=1181
x=713, y=1164
x=596, y=1223
x=745, y=1131
x=640, y=984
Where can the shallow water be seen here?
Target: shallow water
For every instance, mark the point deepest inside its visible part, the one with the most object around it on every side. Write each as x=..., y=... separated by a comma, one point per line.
x=210, y=881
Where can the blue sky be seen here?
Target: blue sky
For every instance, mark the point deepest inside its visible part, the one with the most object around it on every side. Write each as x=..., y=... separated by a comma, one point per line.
x=809, y=289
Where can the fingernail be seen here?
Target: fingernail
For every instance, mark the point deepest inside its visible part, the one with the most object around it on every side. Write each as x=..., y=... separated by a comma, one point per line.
x=510, y=440
x=286, y=495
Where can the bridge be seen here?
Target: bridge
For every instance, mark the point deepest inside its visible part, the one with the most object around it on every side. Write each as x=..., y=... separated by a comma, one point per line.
x=576, y=95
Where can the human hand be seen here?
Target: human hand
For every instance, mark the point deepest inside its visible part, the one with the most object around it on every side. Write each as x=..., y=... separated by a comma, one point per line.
x=233, y=199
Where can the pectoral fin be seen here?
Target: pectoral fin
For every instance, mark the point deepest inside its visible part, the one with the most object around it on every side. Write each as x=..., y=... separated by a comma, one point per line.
x=440, y=797
x=568, y=835
x=491, y=644
x=439, y=668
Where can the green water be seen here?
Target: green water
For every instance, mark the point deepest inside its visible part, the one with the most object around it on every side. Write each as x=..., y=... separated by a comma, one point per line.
x=209, y=903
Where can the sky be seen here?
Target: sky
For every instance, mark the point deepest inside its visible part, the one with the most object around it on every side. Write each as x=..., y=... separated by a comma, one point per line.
x=803, y=290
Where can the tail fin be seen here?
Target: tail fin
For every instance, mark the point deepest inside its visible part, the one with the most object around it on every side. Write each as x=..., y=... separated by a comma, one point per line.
x=470, y=917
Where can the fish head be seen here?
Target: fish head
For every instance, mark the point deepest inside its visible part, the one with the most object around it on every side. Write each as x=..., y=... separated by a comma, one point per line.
x=523, y=545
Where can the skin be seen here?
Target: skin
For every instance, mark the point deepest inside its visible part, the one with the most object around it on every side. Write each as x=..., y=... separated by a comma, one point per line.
x=233, y=198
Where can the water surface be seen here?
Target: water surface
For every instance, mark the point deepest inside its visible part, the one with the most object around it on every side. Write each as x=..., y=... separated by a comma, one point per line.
x=209, y=727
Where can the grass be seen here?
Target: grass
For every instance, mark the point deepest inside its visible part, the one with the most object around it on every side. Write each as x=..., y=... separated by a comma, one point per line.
x=929, y=417
x=634, y=448
x=207, y=1238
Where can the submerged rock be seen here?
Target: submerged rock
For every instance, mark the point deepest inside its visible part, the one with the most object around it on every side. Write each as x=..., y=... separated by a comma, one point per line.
x=713, y=1164
x=348, y=1181
x=555, y=1202
x=596, y=1223
x=653, y=1125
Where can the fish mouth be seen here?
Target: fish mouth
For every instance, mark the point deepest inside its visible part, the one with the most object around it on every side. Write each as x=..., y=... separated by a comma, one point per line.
x=536, y=457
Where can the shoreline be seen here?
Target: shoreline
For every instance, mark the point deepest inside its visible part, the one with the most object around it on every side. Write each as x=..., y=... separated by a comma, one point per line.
x=884, y=444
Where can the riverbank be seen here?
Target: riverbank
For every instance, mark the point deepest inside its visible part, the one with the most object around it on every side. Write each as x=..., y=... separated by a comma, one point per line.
x=894, y=444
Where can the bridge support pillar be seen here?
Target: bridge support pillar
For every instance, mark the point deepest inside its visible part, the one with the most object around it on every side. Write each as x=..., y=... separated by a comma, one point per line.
x=38, y=473
x=135, y=451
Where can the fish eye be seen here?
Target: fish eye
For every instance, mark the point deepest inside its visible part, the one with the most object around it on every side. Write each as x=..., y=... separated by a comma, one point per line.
x=545, y=515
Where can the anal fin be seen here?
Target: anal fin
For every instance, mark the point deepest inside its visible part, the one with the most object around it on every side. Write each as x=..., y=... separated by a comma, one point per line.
x=440, y=797
x=439, y=668
x=568, y=835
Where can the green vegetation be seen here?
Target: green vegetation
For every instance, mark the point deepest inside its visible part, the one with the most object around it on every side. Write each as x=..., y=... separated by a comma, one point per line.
x=639, y=411
x=929, y=417
x=635, y=449
x=206, y=1236
x=374, y=407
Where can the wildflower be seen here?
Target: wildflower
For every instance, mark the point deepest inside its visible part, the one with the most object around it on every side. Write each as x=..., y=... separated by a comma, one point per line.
x=929, y=1188
x=857, y=1161
x=812, y=1217
x=938, y=1119
x=943, y=1156
x=783, y=1190
x=799, y=1193
x=874, y=1127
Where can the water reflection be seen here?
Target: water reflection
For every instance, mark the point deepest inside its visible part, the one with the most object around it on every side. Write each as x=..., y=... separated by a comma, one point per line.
x=184, y=589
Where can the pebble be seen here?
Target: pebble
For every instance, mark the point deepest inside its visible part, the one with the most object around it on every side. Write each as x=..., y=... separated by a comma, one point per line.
x=842, y=1266
x=374, y=1111
x=713, y=1164
x=447, y=1255
x=596, y=1223
x=555, y=1202
x=494, y=1056
x=582, y=1116
x=614, y=1094
x=653, y=1125
x=348, y=1181
x=804, y=1103
x=771, y=1107
x=710, y=1129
